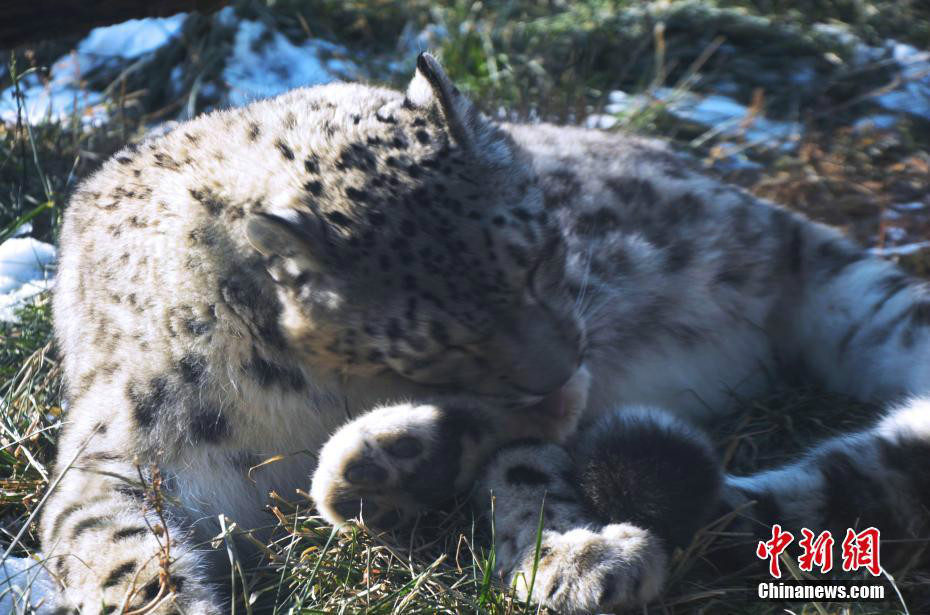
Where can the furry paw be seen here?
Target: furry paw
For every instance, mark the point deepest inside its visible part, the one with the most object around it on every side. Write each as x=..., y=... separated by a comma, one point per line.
x=391, y=463
x=583, y=571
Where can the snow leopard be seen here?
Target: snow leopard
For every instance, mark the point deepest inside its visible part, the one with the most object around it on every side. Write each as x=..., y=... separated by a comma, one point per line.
x=402, y=300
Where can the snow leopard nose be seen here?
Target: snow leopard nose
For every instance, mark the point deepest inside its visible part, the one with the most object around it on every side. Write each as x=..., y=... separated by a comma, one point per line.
x=538, y=353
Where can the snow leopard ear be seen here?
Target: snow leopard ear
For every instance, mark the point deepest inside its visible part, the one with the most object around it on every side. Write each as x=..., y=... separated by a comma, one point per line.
x=290, y=239
x=431, y=86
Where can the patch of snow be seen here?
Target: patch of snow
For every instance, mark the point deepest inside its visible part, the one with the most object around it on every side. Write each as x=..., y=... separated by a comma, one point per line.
x=911, y=91
x=23, y=229
x=878, y=121
x=225, y=17
x=720, y=114
x=729, y=117
x=64, y=94
x=59, y=99
x=133, y=38
x=912, y=206
x=890, y=214
x=265, y=63
x=600, y=120
x=23, y=582
x=909, y=248
x=25, y=271
x=895, y=234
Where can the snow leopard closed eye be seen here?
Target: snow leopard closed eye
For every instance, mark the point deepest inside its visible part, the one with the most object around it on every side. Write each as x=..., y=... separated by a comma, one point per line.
x=427, y=251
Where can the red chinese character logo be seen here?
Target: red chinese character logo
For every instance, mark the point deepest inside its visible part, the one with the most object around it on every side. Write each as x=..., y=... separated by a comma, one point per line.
x=817, y=551
x=861, y=550
x=771, y=549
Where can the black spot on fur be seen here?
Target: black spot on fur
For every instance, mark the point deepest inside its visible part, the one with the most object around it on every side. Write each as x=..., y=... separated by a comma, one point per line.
x=149, y=402
x=382, y=117
x=678, y=256
x=165, y=161
x=256, y=304
x=559, y=188
x=356, y=157
x=101, y=456
x=851, y=497
x=314, y=187
x=286, y=151
x=630, y=189
x=790, y=235
x=209, y=199
x=597, y=223
x=130, y=491
x=312, y=164
x=422, y=136
x=270, y=374
x=339, y=219
x=197, y=327
x=150, y=590
x=837, y=255
x=910, y=458
x=357, y=195
x=67, y=512
x=920, y=313
x=208, y=424
x=192, y=368
x=525, y=475
x=119, y=573
x=889, y=287
x=438, y=332
x=130, y=532
x=733, y=273
x=254, y=130
x=85, y=525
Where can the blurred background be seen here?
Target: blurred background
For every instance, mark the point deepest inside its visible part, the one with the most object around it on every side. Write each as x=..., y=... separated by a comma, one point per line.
x=822, y=105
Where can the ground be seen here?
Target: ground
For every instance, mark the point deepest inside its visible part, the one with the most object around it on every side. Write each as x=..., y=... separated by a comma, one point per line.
x=823, y=106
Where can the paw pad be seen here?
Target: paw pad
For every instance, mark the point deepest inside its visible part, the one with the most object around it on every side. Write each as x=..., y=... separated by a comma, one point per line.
x=365, y=472
x=404, y=448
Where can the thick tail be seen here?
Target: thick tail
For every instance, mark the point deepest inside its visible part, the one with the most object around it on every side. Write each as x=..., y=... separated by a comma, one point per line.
x=589, y=527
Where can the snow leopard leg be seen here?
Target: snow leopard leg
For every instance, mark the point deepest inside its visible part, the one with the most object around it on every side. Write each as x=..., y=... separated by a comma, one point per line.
x=610, y=508
x=394, y=462
x=856, y=323
x=860, y=326
x=875, y=478
x=105, y=541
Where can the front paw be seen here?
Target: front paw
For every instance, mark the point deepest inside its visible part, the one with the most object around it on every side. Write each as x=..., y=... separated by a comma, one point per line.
x=388, y=465
x=583, y=571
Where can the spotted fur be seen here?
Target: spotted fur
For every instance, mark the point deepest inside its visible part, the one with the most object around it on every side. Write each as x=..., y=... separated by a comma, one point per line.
x=431, y=288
